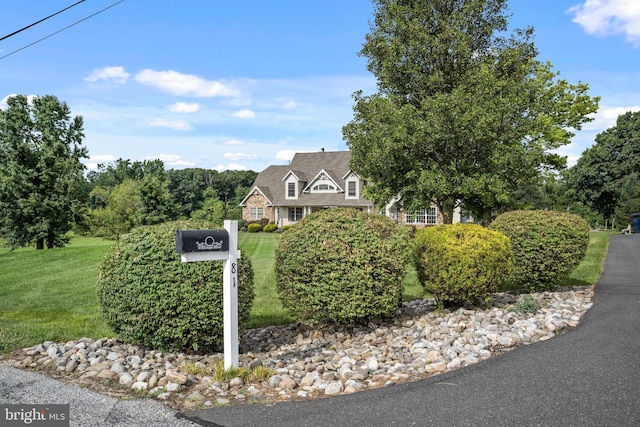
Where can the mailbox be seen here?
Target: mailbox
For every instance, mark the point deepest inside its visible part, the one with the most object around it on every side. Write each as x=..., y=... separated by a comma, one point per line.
x=188, y=241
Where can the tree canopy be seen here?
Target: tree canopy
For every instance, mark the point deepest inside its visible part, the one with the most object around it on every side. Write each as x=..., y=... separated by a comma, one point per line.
x=605, y=176
x=464, y=114
x=40, y=172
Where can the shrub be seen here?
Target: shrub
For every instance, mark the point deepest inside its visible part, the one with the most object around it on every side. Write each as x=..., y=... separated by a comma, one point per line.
x=462, y=262
x=527, y=304
x=270, y=228
x=147, y=295
x=547, y=245
x=254, y=227
x=342, y=266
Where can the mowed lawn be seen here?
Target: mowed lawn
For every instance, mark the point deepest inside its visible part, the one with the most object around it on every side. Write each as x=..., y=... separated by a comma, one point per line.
x=49, y=295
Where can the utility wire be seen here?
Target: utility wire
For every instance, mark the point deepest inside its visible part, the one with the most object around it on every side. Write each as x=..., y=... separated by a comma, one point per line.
x=65, y=28
x=43, y=19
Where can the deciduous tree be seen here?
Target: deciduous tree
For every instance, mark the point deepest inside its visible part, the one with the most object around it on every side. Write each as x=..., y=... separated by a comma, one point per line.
x=40, y=170
x=464, y=114
x=600, y=174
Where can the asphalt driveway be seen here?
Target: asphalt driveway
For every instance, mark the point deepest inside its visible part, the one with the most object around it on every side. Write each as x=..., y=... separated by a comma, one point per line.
x=587, y=377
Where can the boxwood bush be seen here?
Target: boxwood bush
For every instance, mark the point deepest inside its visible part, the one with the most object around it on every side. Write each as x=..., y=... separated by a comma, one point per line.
x=148, y=296
x=270, y=228
x=547, y=245
x=342, y=266
x=462, y=262
x=254, y=227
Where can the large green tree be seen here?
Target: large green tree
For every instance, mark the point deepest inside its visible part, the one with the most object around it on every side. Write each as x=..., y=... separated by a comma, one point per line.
x=40, y=170
x=602, y=172
x=464, y=113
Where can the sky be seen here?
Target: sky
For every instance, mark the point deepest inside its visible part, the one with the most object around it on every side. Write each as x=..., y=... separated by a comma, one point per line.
x=244, y=84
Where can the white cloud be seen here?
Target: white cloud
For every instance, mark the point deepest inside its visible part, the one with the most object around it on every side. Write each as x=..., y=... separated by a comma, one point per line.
x=185, y=84
x=608, y=17
x=170, y=124
x=234, y=142
x=239, y=156
x=93, y=161
x=114, y=74
x=184, y=107
x=171, y=160
x=230, y=167
x=606, y=117
x=244, y=114
x=285, y=155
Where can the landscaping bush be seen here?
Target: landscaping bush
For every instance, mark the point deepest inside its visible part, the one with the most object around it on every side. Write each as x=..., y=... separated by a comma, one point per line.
x=254, y=227
x=342, y=266
x=147, y=295
x=462, y=262
x=270, y=228
x=547, y=245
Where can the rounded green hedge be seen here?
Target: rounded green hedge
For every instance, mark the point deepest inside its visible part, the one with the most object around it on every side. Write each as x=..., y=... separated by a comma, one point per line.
x=547, y=245
x=270, y=228
x=147, y=295
x=254, y=227
x=462, y=262
x=342, y=266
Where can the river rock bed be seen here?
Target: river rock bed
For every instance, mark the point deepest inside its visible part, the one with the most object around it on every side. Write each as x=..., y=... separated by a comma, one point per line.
x=299, y=363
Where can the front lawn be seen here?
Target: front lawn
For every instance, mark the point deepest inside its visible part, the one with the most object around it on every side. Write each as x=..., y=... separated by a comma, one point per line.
x=49, y=295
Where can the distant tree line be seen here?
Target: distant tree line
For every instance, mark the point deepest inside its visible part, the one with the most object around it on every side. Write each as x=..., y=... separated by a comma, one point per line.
x=122, y=194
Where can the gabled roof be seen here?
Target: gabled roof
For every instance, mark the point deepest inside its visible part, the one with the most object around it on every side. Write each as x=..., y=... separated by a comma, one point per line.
x=304, y=166
x=320, y=175
x=265, y=182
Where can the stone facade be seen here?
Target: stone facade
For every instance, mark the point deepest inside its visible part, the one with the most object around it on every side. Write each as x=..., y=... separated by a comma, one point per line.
x=257, y=200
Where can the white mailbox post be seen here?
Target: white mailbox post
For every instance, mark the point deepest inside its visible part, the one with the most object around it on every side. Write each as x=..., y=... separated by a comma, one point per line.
x=218, y=245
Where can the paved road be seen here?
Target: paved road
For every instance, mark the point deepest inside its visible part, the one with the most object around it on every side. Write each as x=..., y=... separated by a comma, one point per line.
x=587, y=377
x=86, y=408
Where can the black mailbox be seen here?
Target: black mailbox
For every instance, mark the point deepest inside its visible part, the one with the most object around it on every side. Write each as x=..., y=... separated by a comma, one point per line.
x=202, y=241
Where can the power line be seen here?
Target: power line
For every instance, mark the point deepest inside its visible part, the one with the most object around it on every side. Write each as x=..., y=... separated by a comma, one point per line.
x=43, y=19
x=65, y=28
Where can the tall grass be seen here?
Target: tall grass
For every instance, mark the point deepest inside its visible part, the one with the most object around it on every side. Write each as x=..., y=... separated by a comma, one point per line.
x=50, y=294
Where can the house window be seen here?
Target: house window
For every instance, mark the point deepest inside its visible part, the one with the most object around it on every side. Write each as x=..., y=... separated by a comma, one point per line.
x=351, y=189
x=324, y=187
x=423, y=216
x=295, y=214
x=432, y=215
x=291, y=189
x=256, y=213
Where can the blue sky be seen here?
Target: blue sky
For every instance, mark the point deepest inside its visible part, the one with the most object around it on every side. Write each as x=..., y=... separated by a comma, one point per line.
x=244, y=84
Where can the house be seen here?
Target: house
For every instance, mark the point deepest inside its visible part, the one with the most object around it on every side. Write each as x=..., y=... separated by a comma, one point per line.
x=313, y=181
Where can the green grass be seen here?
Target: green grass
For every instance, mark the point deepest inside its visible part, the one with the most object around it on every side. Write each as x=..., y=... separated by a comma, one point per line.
x=267, y=309
x=589, y=270
x=50, y=294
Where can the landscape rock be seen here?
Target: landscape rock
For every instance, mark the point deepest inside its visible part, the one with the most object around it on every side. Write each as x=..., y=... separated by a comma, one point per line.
x=302, y=363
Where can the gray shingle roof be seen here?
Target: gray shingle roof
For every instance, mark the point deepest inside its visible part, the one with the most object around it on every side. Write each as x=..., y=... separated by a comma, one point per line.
x=306, y=166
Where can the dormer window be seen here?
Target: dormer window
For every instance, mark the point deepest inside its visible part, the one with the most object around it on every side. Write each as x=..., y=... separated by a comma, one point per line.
x=291, y=189
x=352, y=189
